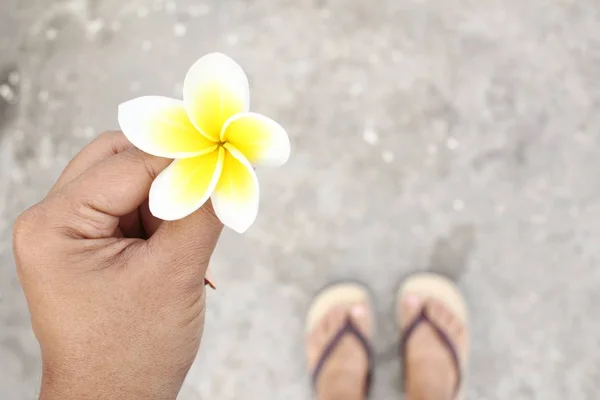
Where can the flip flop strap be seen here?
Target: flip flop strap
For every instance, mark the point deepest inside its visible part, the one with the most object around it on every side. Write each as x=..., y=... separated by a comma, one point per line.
x=446, y=341
x=349, y=328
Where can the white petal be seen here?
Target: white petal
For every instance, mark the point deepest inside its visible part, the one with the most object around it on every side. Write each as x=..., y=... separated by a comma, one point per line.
x=160, y=126
x=260, y=139
x=235, y=198
x=215, y=89
x=185, y=185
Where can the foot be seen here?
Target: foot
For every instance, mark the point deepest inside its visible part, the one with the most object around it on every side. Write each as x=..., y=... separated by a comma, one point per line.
x=343, y=376
x=430, y=371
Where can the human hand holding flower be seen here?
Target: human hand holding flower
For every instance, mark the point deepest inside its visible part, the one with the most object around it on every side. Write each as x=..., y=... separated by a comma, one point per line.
x=116, y=296
x=115, y=286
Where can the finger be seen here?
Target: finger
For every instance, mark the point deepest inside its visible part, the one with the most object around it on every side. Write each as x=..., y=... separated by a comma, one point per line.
x=101, y=148
x=148, y=221
x=185, y=246
x=90, y=205
x=140, y=223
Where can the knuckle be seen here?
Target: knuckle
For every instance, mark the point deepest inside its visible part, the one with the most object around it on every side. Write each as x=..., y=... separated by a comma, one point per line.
x=26, y=231
x=115, y=140
x=24, y=226
x=137, y=157
x=85, y=220
x=73, y=215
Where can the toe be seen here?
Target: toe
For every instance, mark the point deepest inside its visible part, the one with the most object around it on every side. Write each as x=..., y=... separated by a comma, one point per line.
x=438, y=312
x=410, y=307
x=455, y=325
x=443, y=317
x=333, y=320
x=361, y=317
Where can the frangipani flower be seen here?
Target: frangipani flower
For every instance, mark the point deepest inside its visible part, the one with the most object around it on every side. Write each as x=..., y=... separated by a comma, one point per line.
x=213, y=138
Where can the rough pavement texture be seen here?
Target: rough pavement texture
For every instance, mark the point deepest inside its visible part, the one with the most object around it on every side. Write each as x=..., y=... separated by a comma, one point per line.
x=450, y=135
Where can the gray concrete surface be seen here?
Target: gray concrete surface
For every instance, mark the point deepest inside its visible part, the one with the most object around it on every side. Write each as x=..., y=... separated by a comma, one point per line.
x=452, y=135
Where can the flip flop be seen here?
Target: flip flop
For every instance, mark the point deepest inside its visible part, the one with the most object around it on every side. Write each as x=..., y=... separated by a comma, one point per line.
x=341, y=294
x=432, y=286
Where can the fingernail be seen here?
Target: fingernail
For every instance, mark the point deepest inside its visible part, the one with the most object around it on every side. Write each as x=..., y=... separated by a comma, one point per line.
x=208, y=282
x=208, y=279
x=412, y=301
x=359, y=310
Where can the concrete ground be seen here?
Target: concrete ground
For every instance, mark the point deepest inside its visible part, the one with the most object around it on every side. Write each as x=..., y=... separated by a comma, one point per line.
x=451, y=135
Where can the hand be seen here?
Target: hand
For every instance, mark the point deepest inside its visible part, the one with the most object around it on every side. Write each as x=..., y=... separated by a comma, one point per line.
x=116, y=296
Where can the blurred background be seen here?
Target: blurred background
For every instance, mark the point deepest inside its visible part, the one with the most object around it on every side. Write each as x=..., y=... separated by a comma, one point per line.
x=450, y=135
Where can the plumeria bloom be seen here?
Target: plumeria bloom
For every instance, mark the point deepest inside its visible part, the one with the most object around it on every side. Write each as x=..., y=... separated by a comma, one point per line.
x=213, y=138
